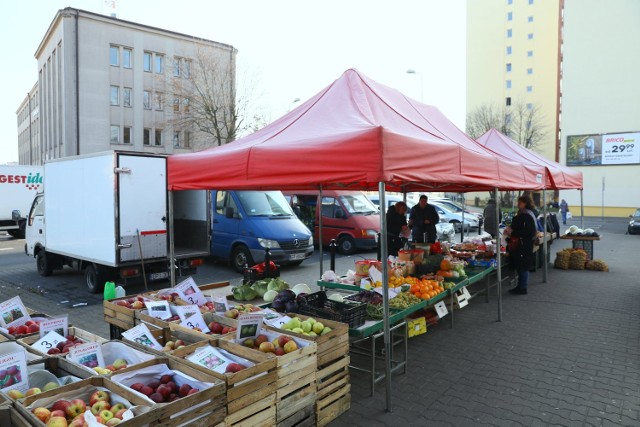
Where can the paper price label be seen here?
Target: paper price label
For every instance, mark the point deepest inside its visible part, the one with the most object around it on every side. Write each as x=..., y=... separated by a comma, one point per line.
x=220, y=304
x=441, y=309
x=59, y=325
x=142, y=335
x=158, y=309
x=249, y=325
x=186, y=311
x=14, y=365
x=195, y=321
x=465, y=293
x=462, y=300
x=13, y=313
x=89, y=355
x=49, y=341
x=277, y=322
x=190, y=292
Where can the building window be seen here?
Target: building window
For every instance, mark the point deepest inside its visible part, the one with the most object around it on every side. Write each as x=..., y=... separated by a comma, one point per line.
x=530, y=1
x=529, y=106
x=146, y=100
x=508, y=84
x=529, y=18
x=176, y=67
x=146, y=136
x=115, y=95
x=146, y=63
x=126, y=58
x=509, y=16
x=508, y=50
x=529, y=70
x=159, y=64
x=185, y=105
x=176, y=138
x=509, y=68
x=509, y=32
x=115, y=134
x=530, y=36
x=529, y=53
x=529, y=88
x=176, y=105
x=186, y=68
x=186, y=139
x=508, y=101
x=114, y=53
x=158, y=135
x=159, y=101
x=126, y=97
x=126, y=135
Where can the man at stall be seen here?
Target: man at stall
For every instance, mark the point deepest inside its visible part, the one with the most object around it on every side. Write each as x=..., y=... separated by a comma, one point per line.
x=490, y=225
x=397, y=228
x=423, y=219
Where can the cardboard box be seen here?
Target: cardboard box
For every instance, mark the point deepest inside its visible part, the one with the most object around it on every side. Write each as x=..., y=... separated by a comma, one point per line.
x=416, y=327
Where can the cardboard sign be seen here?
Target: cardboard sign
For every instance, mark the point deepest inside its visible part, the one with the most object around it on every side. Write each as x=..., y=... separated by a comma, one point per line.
x=249, y=325
x=465, y=293
x=60, y=325
x=220, y=304
x=89, y=355
x=14, y=368
x=216, y=359
x=441, y=309
x=13, y=313
x=50, y=340
x=142, y=335
x=195, y=321
x=190, y=292
x=461, y=299
x=158, y=309
x=186, y=311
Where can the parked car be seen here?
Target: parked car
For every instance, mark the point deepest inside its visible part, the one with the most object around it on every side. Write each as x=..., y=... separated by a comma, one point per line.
x=634, y=223
x=456, y=207
x=455, y=218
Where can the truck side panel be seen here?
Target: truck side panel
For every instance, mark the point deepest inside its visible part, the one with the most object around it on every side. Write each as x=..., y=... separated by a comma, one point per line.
x=18, y=187
x=80, y=209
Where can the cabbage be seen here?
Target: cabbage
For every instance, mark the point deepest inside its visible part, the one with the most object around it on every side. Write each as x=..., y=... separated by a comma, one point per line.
x=301, y=288
x=336, y=297
x=269, y=296
x=260, y=287
x=277, y=284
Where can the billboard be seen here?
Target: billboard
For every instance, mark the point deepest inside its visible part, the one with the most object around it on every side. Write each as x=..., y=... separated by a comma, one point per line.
x=603, y=149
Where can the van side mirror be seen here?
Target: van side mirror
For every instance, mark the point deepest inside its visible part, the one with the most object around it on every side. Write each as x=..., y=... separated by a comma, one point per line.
x=229, y=213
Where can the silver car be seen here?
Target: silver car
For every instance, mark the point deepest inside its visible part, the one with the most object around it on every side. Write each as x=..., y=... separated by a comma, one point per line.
x=470, y=222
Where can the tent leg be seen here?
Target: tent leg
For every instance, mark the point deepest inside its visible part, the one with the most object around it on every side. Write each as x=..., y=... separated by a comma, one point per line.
x=319, y=214
x=385, y=295
x=544, y=239
x=172, y=247
x=498, y=256
x=462, y=225
x=581, y=210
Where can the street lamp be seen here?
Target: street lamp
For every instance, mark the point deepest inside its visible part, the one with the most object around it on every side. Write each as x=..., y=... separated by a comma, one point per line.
x=412, y=71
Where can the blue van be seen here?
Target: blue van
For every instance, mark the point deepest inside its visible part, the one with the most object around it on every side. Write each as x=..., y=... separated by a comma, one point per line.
x=247, y=222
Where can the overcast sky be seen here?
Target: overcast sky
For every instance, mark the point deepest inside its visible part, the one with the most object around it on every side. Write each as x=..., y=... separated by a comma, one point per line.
x=294, y=47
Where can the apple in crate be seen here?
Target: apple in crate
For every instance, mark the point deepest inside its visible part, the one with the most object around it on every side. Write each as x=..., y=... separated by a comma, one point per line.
x=15, y=394
x=233, y=368
x=42, y=414
x=57, y=422
x=100, y=406
x=76, y=407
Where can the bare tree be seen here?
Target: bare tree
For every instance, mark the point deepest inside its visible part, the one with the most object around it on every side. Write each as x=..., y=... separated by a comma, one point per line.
x=524, y=123
x=207, y=99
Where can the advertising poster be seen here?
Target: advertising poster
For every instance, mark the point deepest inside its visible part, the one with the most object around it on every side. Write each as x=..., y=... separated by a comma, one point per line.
x=605, y=149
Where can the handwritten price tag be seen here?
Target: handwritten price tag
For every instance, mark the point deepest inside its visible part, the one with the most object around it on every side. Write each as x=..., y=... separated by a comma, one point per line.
x=195, y=321
x=190, y=292
x=142, y=335
x=158, y=309
x=49, y=341
x=441, y=309
x=59, y=325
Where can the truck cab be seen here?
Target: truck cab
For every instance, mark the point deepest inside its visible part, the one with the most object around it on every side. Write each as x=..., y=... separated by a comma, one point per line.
x=245, y=223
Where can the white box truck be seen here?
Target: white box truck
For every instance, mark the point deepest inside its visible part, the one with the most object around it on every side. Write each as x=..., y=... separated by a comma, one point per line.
x=108, y=215
x=18, y=187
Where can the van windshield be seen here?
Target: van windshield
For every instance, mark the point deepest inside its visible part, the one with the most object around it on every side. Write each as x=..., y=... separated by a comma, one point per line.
x=358, y=204
x=264, y=203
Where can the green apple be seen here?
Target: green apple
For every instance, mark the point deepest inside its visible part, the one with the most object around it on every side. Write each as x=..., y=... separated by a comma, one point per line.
x=306, y=326
x=50, y=386
x=326, y=330
x=295, y=323
x=312, y=334
x=318, y=327
x=297, y=330
x=311, y=320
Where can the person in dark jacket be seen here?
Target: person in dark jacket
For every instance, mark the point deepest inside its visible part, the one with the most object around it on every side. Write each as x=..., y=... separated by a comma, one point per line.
x=489, y=214
x=523, y=227
x=396, y=225
x=423, y=219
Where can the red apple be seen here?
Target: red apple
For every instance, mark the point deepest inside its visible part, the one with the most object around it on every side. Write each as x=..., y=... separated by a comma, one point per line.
x=98, y=396
x=100, y=406
x=42, y=414
x=166, y=378
x=283, y=339
x=164, y=390
x=154, y=384
x=22, y=329
x=77, y=407
x=184, y=390
x=57, y=422
x=137, y=386
x=146, y=390
x=60, y=405
x=33, y=328
x=58, y=413
x=106, y=415
x=193, y=391
x=174, y=387
x=119, y=414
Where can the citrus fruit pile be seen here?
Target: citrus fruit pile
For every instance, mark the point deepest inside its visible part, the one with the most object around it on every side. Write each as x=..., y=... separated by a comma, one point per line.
x=423, y=288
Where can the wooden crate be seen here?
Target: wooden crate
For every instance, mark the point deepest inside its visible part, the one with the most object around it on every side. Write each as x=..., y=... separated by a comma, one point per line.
x=10, y=346
x=85, y=336
x=34, y=315
x=114, y=349
x=10, y=417
x=119, y=316
x=143, y=316
x=208, y=406
x=165, y=335
x=251, y=393
x=209, y=286
x=23, y=405
x=333, y=395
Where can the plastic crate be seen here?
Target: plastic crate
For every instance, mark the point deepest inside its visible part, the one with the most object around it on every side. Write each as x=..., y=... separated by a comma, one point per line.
x=318, y=305
x=251, y=274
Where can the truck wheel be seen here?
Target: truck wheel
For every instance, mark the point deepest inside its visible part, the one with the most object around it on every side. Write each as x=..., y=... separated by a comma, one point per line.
x=346, y=245
x=43, y=263
x=94, y=278
x=241, y=257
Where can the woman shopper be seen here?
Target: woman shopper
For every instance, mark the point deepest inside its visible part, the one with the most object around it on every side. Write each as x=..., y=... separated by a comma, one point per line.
x=521, y=236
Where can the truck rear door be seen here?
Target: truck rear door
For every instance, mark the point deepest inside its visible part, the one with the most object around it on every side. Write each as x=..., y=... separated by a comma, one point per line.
x=142, y=207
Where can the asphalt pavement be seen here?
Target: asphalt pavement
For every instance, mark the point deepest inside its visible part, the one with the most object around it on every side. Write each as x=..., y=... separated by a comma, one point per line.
x=567, y=354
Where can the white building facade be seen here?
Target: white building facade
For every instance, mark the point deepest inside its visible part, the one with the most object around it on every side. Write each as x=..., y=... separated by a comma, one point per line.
x=104, y=84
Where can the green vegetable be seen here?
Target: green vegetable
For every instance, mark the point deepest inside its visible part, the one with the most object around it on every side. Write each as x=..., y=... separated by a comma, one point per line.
x=260, y=287
x=244, y=293
x=269, y=296
x=277, y=284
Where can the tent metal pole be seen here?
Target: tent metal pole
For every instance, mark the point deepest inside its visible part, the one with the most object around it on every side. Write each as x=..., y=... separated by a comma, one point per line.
x=544, y=238
x=319, y=214
x=462, y=225
x=581, y=210
x=385, y=295
x=172, y=246
x=498, y=255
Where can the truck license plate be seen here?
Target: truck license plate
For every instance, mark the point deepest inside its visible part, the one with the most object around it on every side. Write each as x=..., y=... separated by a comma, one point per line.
x=296, y=256
x=158, y=276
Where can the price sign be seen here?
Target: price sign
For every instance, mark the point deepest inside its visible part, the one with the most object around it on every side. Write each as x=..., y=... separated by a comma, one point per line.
x=13, y=313
x=249, y=325
x=220, y=304
x=59, y=325
x=49, y=341
x=621, y=148
x=195, y=321
x=14, y=365
x=158, y=309
x=186, y=311
x=88, y=355
x=461, y=299
x=277, y=322
x=190, y=292
x=465, y=293
x=441, y=309
x=142, y=335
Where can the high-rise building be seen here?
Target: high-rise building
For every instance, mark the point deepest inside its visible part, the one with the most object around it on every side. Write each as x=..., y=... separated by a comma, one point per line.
x=574, y=61
x=105, y=83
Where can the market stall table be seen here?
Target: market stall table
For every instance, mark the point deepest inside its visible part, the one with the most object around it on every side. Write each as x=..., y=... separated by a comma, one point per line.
x=582, y=242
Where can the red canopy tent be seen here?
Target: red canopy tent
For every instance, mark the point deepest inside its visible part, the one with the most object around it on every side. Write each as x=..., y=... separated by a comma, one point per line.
x=559, y=177
x=356, y=133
